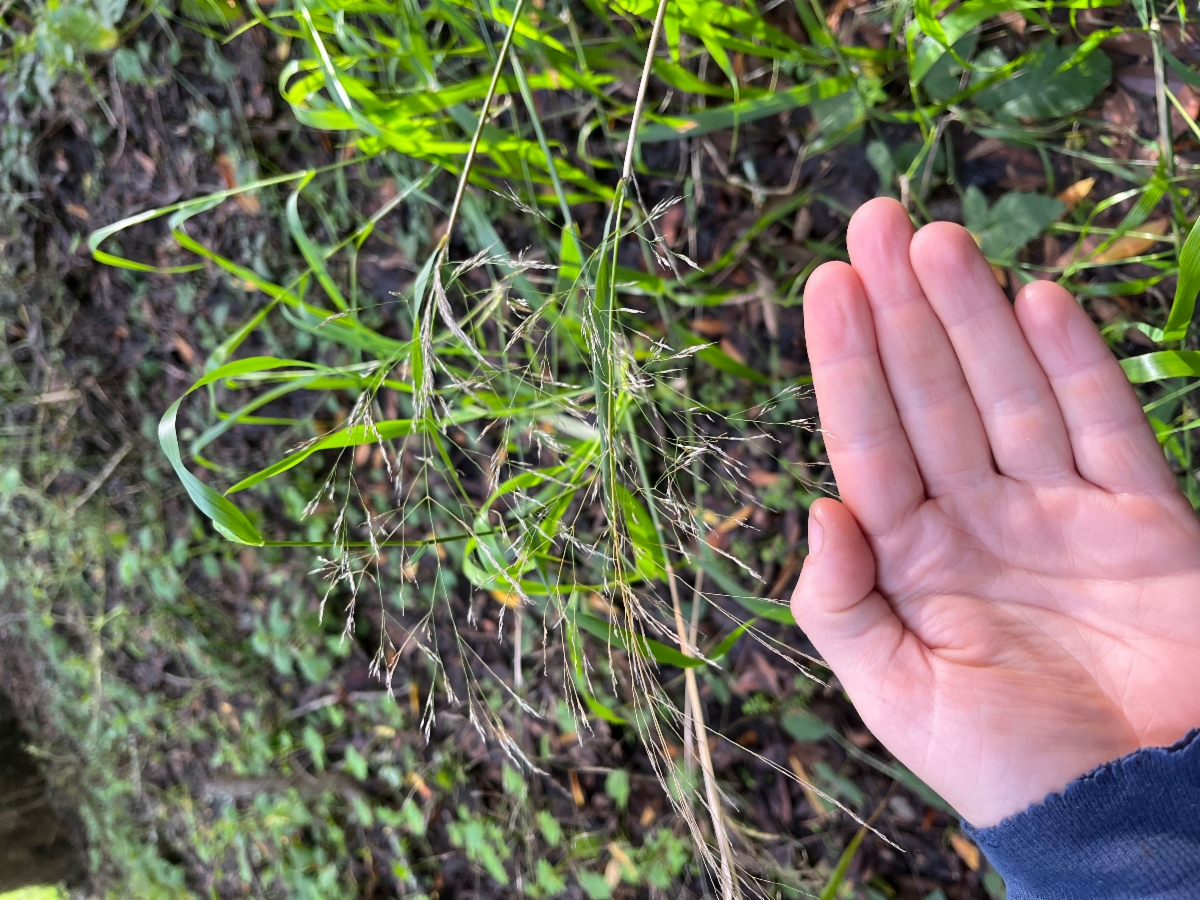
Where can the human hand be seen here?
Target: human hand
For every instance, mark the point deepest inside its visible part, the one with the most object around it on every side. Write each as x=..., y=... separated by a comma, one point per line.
x=1009, y=590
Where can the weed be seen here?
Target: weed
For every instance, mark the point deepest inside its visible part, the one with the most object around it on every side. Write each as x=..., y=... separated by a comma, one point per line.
x=548, y=434
x=542, y=388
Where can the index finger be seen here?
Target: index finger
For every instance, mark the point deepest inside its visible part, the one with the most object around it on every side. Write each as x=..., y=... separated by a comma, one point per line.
x=874, y=465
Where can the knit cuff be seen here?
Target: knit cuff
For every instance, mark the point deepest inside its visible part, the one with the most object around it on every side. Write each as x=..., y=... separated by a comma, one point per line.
x=1128, y=830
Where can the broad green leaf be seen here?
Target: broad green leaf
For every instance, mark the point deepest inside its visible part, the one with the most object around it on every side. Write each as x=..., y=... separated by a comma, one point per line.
x=970, y=15
x=77, y=26
x=593, y=885
x=616, y=785
x=1162, y=364
x=803, y=726
x=928, y=23
x=945, y=77
x=1039, y=91
x=1184, y=304
x=1011, y=223
x=129, y=67
x=552, y=832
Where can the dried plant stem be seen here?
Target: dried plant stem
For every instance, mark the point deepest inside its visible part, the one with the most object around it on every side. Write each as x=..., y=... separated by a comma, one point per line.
x=1166, y=149
x=639, y=105
x=689, y=752
x=695, y=717
x=444, y=243
x=517, y=636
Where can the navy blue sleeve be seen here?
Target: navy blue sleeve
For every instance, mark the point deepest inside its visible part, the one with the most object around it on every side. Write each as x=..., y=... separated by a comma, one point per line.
x=1129, y=830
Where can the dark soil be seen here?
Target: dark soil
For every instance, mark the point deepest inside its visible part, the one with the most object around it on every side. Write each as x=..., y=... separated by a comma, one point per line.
x=38, y=843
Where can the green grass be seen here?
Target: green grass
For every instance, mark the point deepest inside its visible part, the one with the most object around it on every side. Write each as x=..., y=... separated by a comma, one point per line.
x=535, y=417
x=563, y=396
x=33, y=893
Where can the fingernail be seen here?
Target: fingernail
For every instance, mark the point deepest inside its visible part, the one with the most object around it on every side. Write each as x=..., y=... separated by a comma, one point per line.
x=814, y=534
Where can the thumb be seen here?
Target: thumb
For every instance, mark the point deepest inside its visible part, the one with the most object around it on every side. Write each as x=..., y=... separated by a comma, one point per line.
x=836, y=603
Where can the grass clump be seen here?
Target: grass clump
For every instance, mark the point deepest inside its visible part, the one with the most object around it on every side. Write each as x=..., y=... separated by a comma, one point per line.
x=532, y=421
x=553, y=471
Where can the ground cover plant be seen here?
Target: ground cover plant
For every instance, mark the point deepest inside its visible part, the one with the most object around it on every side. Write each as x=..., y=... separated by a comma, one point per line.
x=499, y=332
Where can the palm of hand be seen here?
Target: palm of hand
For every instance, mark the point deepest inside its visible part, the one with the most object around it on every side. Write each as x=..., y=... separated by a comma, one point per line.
x=1011, y=593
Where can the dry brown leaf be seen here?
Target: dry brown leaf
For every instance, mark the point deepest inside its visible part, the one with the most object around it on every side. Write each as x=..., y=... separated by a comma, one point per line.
x=966, y=850
x=709, y=328
x=786, y=576
x=78, y=211
x=747, y=738
x=612, y=873
x=183, y=348
x=229, y=716
x=1120, y=110
x=759, y=677
x=599, y=604
x=228, y=171
x=506, y=598
x=802, y=225
x=1071, y=196
x=770, y=315
x=834, y=19
x=1078, y=252
x=983, y=148
x=147, y=163
x=814, y=799
x=761, y=478
x=1014, y=20
x=860, y=739
x=729, y=524
x=732, y=352
x=1132, y=245
x=248, y=202
x=670, y=223
x=417, y=783
x=576, y=787
x=622, y=859
x=1190, y=101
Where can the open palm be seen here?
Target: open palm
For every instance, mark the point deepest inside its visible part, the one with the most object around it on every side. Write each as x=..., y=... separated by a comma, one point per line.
x=1010, y=593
